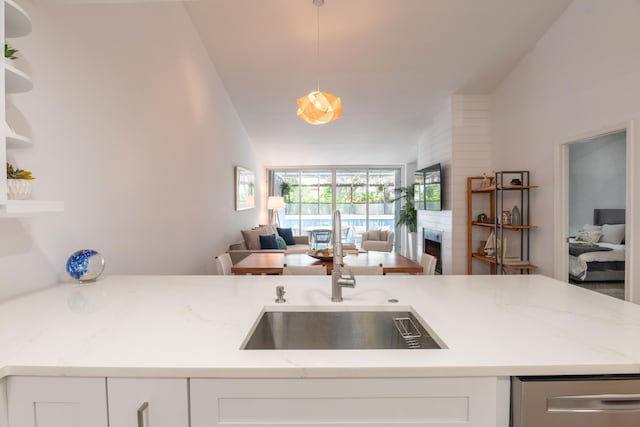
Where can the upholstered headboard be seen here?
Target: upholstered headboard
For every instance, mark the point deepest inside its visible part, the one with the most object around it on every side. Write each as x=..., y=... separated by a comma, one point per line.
x=608, y=216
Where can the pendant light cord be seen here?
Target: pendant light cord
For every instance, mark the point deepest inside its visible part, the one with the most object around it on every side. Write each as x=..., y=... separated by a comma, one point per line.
x=318, y=46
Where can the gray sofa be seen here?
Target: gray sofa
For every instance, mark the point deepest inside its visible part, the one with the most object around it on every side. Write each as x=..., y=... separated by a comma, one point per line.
x=240, y=250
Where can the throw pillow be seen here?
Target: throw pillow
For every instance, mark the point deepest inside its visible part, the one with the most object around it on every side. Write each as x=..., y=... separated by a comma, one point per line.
x=281, y=243
x=384, y=235
x=267, y=229
x=374, y=235
x=252, y=238
x=268, y=241
x=287, y=235
x=612, y=233
x=591, y=236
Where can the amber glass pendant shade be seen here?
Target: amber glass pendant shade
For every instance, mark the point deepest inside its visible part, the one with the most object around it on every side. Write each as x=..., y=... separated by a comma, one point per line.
x=318, y=108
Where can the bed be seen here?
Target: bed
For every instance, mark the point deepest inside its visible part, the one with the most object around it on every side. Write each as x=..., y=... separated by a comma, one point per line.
x=597, y=252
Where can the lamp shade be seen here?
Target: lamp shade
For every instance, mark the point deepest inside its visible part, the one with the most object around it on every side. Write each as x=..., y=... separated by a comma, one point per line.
x=275, y=202
x=319, y=108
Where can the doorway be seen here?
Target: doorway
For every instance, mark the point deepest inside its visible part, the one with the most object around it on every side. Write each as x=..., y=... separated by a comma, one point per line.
x=594, y=199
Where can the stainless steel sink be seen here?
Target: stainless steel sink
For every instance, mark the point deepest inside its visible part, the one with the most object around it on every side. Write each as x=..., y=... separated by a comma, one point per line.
x=339, y=330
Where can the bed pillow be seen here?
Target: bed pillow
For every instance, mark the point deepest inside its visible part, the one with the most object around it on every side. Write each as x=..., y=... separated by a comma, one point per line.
x=591, y=227
x=268, y=242
x=612, y=233
x=591, y=236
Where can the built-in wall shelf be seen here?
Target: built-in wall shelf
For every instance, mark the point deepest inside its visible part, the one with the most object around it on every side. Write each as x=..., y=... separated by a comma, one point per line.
x=16, y=81
x=16, y=21
x=18, y=24
x=22, y=208
x=18, y=141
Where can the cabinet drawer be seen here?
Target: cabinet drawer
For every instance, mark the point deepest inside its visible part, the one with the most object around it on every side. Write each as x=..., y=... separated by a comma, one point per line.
x=57, y=402
x=318, y=402
x=166, y=399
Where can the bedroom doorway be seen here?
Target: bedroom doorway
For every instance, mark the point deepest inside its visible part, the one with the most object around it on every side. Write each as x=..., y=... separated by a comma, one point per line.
x=594, y=199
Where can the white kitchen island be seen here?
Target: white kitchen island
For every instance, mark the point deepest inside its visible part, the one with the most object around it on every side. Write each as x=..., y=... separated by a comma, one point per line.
x=176, y=340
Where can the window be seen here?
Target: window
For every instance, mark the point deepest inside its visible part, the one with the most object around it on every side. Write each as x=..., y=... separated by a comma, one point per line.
x=363, y=196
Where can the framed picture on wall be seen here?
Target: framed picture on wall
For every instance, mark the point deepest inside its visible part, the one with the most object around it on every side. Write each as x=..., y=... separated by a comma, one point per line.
x=245, y=189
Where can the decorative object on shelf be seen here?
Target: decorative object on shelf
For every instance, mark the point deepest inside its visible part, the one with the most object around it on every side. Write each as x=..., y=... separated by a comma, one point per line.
x=245, y=189
x=318, y=107
x=482, y=217
x=85, y=265
x=516, y=217
x=10, y=53
x=506, y=217
x=486, y=182
x=516, y=181
x=18, y=183
x=494, y=245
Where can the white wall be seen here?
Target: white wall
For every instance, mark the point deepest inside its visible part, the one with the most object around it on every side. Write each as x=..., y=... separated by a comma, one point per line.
x=596, y=178
x=134, y=130
x=471, y=156
x=581, y=78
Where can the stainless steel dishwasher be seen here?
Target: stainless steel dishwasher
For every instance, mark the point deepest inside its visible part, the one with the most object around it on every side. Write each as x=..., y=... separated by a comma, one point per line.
x=567, y=401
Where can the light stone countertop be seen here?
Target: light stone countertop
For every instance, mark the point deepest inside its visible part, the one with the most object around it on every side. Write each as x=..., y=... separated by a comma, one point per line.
x=193, y=326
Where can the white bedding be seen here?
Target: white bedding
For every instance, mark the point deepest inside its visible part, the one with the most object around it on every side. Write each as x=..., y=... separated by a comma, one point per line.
x=578, y=265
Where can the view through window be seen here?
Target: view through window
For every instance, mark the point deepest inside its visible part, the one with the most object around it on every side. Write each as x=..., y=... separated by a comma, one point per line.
x=363, y=195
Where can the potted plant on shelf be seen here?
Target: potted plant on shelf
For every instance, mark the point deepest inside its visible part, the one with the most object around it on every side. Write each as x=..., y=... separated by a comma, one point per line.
x=18, y=183
x=408, y=216
x=9, y=54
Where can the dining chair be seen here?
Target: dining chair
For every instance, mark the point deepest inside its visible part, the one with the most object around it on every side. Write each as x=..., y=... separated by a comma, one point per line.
x=224, y=264
x=428, y=263
x=304, y=270
x=364, y=270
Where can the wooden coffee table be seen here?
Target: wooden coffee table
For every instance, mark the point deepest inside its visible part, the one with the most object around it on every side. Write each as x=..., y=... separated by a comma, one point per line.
x=272, y=263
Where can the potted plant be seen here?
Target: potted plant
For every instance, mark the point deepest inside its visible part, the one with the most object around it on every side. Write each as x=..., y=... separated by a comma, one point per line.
x=18, y=183
x=9, y=53
x=285, y=187
x=408, y=216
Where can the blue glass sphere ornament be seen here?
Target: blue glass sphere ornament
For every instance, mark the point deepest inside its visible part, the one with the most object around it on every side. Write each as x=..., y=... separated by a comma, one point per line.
x=85, y=265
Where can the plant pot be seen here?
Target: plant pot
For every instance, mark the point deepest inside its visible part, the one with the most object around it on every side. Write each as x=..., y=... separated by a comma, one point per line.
x=412, y=240
x=18, y=189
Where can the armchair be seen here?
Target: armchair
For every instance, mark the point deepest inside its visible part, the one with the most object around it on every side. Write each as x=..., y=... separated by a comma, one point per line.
x=377, y=240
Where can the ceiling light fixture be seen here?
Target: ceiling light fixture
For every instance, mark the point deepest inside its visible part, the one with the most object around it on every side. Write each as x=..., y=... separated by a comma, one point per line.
x=317, y=107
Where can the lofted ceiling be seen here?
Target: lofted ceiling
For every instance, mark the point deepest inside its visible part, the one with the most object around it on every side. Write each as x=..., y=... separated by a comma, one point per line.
x=392, y=62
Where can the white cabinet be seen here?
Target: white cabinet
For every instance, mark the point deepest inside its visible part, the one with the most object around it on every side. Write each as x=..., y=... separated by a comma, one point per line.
x=83, y=402
x=150, y=402
x=57, y=402
x=435, y=402
x=157, y=402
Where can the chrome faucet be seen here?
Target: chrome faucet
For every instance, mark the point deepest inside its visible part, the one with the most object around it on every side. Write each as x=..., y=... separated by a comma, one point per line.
x=338, y=281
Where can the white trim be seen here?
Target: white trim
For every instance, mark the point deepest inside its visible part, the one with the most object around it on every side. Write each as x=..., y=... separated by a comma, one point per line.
x=561, y=209
x=629, y=222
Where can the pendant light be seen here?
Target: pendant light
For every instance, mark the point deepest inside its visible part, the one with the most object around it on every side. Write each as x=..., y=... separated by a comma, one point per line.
x=318, y=107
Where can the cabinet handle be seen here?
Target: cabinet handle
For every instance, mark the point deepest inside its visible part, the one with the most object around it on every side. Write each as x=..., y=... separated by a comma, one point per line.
x=595, y=403
x=141, y=411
